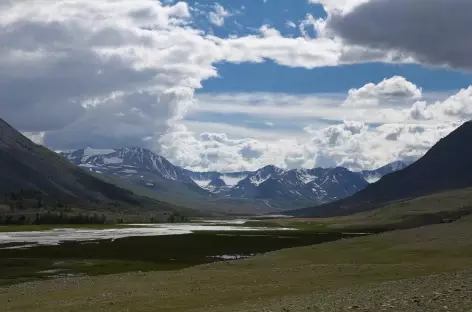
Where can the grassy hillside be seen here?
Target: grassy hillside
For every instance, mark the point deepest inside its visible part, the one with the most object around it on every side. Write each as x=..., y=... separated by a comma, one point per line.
x=443, y=207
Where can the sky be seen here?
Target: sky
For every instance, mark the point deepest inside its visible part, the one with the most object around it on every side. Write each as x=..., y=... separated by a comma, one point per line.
x=237, y=85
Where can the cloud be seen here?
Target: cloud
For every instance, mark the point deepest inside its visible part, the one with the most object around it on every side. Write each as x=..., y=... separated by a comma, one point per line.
x=217, y=151
x=433, y=32
x=91, y=73
x=124, y=73
x=114, y=122
x=368, y=140
x=217, y=17
x=394, y=90
x=309, y=21
x=241, y=131
x=304, y=52
x=58, y=57
x=290, y=24
x=351, y=144
x=69, y=54
x=303, y=109
x=339, y=6
x=36, y=137
x=459, y=105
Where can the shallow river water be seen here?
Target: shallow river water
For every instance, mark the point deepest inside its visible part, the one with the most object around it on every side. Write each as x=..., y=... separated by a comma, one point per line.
x=56, y=236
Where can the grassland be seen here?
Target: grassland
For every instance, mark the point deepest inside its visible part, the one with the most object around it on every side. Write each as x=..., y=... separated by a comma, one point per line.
x=428, y=268
x=433, y=209
x=152, y=253
x=399, y=268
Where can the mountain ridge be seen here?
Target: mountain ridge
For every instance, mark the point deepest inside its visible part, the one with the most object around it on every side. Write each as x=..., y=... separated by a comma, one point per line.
x=271, y=186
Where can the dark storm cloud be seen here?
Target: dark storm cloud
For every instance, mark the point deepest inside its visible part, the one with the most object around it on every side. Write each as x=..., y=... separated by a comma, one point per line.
x=45, y=91
x=437, y=32
x=113, y=124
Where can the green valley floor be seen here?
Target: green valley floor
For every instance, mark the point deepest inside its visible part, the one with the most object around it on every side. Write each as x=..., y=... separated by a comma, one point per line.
x=422, y=269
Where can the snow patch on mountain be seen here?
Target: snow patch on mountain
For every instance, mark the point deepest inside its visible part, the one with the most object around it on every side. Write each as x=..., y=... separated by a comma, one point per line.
x=93, y=152
x=256, y=180
x=305, y=177
x=233, y=180
x=372, y=178
x=113, y=160
x=202, y=183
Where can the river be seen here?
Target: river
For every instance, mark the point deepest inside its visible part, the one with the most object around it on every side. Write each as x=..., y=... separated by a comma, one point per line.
x=56, y=236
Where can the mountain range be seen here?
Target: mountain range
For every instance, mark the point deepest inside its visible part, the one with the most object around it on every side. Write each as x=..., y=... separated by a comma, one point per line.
x=267, y=189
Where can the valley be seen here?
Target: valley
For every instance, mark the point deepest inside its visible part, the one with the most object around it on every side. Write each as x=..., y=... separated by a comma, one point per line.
x=83, y=240
x=400, y=271
x=66, y=251
x=235, y=156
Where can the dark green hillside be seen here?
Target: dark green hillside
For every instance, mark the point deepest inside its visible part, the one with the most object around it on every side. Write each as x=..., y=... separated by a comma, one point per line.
x=28, y=168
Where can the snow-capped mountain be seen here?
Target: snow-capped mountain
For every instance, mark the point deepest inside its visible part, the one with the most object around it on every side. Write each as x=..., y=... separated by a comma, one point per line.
x=372, y=176
x=310, y=185
x=205, y=179
x=126, y=162
x=270, y=185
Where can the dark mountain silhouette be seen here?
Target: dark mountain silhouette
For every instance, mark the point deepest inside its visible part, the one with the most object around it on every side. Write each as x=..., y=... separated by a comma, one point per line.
x=25, y=165
x=446, y=166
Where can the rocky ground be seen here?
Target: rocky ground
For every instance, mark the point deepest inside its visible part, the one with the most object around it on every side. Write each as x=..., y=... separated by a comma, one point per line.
x=443, y=292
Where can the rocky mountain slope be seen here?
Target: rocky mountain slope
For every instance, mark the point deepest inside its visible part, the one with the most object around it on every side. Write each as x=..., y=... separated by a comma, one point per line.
x=25, y=166
x=446, y=166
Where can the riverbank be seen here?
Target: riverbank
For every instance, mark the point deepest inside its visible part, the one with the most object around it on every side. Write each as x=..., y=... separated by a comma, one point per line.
x=66, y=251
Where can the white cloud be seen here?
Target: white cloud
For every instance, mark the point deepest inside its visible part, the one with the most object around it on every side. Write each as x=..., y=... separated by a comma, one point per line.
x=242, y=132
x=300, y=52
x=394, y=90
x=70, y=54
x=303, y=109
x=36, y=137
x=119, y=73
x=457, y=107
x=87, y=70
x=290, y=24
x=218, y=16
x=339, y=6
x=406, y=132
x=309, y=21
x=351, y=144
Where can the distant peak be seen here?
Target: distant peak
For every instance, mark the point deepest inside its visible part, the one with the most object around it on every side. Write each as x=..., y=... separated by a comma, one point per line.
x=88, y=151
x=136, y=150
x=271, y=168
